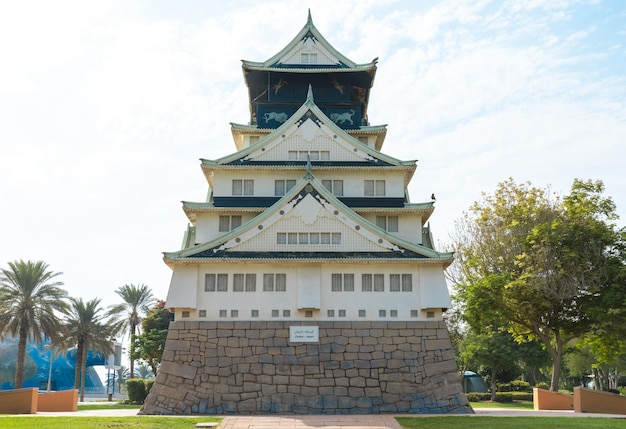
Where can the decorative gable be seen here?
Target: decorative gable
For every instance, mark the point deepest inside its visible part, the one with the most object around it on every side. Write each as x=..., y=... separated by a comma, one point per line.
x=309, y=52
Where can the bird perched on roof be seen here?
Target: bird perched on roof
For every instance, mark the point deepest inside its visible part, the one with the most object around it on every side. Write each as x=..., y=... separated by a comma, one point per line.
x=432, y=197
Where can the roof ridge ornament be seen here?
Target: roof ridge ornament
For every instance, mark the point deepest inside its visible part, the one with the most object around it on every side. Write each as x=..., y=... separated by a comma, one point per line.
x=309, y=94
x=309, y=19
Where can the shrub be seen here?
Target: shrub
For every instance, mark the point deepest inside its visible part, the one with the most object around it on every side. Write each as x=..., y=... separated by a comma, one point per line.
x=478, y=396
x=504, y=397
x=542, y=385
x=522, y=396
x=149, y=383
x=515, y=386
x=136, y=388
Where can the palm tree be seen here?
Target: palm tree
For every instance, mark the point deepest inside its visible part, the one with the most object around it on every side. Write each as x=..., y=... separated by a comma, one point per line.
x=90, y=329
x=144, y=371
x=30, y=303
x=137, y=300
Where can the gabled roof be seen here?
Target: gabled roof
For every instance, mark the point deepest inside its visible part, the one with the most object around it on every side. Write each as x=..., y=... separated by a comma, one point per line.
x=314, y=196
x=308, y=111
x=310, y=36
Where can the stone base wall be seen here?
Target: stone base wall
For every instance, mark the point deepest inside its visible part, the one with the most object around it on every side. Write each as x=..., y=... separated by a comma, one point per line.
x=355, y=368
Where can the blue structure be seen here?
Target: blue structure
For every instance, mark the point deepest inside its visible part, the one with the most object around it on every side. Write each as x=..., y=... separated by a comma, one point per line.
x=37, y=367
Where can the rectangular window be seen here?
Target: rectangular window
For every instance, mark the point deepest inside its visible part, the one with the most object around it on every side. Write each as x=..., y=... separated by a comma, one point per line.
x=379, y=282
x=308, y=313
x=334, y=186
x=268, y=282
x=336, y=283
x=292, y=238
x=374, y=188
x=227, y=223
x=303, y=238
x=238, y=282
x=253, y=140
x=362, y=313
x=414, y=313
x=330, y=313
x=325, y=238
x=335, y=238
x=250, y=282
x=185, y=314
x=202, y=313
x=314, y=155
x=393, y=313
x=281, y=187
x=281, y=282
x=275, y=313
x=314, y=238
x=223, y=313
x=286, y=313
x=366, y=282
x=407, y=283
x=243, y=187
x=234, y=313
x=216, y=282
x=394, y=283
x=382, y=313
x=281, y=238
x=309, y=58
x=348, y=282
x=388, y=223
x=292, y=155
x=325, y=155
x=342, y=313
x=254, y=313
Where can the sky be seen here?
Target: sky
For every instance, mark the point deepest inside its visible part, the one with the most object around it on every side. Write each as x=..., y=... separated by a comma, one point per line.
x=107, y=107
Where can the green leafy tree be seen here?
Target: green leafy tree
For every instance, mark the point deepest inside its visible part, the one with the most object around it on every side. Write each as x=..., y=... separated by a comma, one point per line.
x=149, y=345
x=137, y=300
x=31, y=302
x=90, y=328
x=537, y=264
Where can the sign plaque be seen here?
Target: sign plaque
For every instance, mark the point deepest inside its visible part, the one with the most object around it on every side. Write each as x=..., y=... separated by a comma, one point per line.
x=304, y=334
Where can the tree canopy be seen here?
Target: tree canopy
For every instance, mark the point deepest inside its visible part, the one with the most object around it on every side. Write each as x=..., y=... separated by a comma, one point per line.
x=542, y=266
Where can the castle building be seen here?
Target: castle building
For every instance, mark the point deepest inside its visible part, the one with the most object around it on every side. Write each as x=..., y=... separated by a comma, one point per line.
x=308, y=282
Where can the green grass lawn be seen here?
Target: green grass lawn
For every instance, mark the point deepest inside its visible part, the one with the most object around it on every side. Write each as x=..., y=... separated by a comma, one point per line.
x=139, y=422
x=469, y=422
x=515, y=405
x=106, y=406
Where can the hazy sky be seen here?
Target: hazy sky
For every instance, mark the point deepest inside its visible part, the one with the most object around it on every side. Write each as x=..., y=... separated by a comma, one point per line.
x=106, y=108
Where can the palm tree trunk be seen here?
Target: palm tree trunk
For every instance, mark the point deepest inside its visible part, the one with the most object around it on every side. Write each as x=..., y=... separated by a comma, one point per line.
x=83, y=370
x=79, y=359
x=21, y=354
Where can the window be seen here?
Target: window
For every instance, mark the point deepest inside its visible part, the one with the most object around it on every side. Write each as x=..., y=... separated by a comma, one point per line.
x=254, y=313
x=330, y=313
x=326, y=238
x=274, y=282
x=414, y=313
x=308, y=313
x=379, y=282
x=216, y=282
x=407, y=282
x=430, y=314
x=253, y=140
x=388, y=223
x=363, y=140
x=342, y=313
x=334, y=186
x=342, y=282
x=250, y=282
x=382, y=313
x=286, y=313
x=243, y=282
x=229, y=222
x=393, y=313
x=394, y=283
x=223, y=313
x=234, y=313
x=185, y=314
x=281, y=187
x=366, y=283
x=374, y=188
x=362, y=313
x=275, y=313
x=202, y=313
x=309, y=58
x=243, y=187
